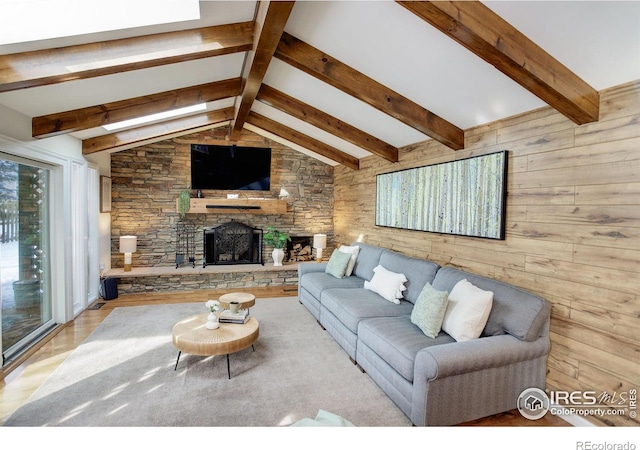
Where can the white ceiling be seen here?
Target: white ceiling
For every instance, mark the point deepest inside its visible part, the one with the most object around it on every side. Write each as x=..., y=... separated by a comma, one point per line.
x=599, y=41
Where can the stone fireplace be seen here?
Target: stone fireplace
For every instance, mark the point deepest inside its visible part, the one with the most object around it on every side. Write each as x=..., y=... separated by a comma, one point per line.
x=232, y=243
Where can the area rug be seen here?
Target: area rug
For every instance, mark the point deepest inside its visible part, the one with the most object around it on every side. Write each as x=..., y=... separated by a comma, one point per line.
x=123, y=375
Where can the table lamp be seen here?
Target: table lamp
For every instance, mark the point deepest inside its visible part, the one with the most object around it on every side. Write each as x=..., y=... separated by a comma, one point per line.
x=319, y=242
x=283, y=194
x=127, y=246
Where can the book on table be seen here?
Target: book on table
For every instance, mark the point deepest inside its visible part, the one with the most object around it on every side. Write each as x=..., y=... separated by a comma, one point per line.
x=238, y=317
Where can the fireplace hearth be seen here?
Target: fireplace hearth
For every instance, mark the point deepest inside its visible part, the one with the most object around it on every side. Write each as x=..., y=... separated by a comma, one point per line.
x=232, y=243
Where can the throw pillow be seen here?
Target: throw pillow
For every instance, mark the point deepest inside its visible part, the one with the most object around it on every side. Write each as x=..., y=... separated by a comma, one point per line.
x=428, y=312
x=337, y=264
x=467, y=311
x=389, y=285
x=353, y=250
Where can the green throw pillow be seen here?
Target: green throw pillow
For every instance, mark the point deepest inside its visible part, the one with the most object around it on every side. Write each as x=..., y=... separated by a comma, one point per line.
x=337, y=265
x=428, y=312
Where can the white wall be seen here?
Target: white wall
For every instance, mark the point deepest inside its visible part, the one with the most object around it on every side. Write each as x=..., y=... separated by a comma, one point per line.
x=14, y=124
x=103, y=161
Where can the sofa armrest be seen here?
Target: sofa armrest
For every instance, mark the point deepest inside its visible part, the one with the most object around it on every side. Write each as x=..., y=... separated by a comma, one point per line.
x=309, y=267
x=442, y=361
x=463, y=381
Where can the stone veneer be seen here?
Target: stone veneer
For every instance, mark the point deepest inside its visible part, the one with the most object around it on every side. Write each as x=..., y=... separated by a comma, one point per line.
x=181, y=281
x=147, y=180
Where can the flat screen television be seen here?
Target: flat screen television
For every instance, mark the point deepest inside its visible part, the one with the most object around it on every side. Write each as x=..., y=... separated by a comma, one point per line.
x=230, y=167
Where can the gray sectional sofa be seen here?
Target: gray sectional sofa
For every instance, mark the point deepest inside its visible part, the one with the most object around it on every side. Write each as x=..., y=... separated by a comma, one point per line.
x=434, y=381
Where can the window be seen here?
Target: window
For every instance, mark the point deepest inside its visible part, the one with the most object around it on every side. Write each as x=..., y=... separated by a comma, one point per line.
x=26, y=311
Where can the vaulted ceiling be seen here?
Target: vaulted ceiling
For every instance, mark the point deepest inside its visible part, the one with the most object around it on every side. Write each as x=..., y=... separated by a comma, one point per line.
x=339, y=80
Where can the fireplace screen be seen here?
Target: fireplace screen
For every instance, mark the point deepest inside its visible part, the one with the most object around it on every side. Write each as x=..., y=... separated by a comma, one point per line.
x=232, y=243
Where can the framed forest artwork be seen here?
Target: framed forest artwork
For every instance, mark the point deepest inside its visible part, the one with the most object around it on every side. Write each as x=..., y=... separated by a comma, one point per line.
x=466, y=197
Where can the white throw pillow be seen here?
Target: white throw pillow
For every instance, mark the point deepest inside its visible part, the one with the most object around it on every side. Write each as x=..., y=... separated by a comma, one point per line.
x=468, y=310
x=389, y=285
x=353, y=250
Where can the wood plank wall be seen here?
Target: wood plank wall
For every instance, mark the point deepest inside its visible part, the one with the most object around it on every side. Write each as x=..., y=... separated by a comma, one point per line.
x=572, y=234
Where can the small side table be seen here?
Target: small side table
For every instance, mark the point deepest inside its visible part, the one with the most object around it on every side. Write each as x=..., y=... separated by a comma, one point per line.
x=245, y=299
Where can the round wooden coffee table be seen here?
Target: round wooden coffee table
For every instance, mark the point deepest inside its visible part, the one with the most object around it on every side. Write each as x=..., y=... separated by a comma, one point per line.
x=245, y=299
x=191, y=336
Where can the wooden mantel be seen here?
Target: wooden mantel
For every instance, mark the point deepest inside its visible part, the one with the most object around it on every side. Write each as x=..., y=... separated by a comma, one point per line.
x=236, y=206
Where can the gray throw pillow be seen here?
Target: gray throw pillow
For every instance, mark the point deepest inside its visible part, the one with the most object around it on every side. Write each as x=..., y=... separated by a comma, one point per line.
x=428, y=312
x=337, y=265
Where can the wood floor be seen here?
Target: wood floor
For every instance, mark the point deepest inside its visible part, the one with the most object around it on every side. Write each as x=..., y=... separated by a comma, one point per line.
x=22, y=377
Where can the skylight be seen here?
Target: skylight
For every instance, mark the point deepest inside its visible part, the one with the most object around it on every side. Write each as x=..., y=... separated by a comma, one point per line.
x=155, y=117
x=33, y=20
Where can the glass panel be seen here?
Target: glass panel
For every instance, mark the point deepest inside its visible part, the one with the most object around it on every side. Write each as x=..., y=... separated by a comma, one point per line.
x=24, y=275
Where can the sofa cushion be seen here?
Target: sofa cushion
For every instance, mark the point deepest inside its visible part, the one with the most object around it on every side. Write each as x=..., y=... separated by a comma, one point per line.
x=514, y=311
x=337, y=265
x=428, y=312
x=350, y=306
x=389, y=285
x=353, y=250
x=418, y=271
x=368, y=258
x=316, y=282
x=397, y=341
x=467, y=311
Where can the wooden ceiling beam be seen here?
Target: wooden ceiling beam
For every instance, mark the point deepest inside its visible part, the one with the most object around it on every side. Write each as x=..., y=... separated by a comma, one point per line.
x=483, y=32
x=303, y=140
x=108, y=113
x=271, y=18
x=326, y=122
x=310, y=60
x=43, y=67
x=141, y=135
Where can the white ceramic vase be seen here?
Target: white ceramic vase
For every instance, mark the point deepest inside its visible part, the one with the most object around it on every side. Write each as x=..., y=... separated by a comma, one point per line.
x=278, y=256
x=212, y=322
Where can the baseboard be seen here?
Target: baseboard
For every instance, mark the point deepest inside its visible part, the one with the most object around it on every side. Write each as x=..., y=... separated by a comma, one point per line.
x=20, y=358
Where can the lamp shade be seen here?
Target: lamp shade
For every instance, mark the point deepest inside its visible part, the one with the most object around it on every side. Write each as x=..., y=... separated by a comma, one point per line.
x=319, y=241
x=283, y=193
x=128, y=244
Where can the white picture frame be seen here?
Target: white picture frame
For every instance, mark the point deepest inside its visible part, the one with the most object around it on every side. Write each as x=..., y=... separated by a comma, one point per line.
x=105, y=194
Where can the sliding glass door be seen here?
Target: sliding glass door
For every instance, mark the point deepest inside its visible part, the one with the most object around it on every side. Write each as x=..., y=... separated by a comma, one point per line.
x=26, y=311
